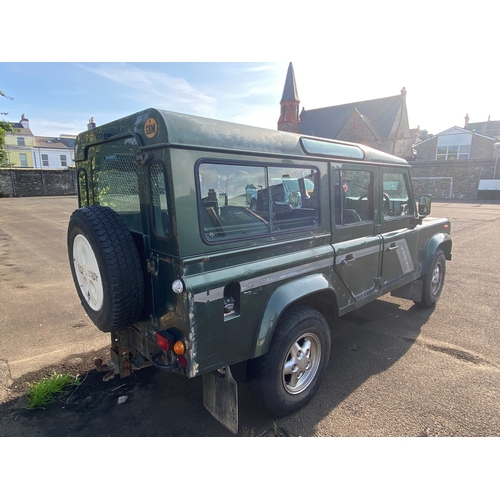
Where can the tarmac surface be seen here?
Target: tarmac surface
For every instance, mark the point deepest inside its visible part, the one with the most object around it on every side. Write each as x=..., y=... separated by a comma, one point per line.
x=395, y=370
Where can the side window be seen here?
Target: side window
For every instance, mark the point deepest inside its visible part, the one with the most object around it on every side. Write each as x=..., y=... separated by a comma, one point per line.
x=159, y=200
x=239, y=201
x=396, y=202
x=294, y=196
x=228, y=200
x=83, y=188
x=353, y=196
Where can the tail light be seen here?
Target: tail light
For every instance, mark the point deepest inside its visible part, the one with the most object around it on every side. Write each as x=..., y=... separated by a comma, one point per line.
x=165, y=341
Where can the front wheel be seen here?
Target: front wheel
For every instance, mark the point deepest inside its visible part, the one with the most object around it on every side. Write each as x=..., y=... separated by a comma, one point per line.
x=433, y=281
x=288, y=375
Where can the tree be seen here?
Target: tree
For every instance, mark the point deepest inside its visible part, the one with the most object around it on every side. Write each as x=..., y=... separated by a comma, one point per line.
x=4, y=127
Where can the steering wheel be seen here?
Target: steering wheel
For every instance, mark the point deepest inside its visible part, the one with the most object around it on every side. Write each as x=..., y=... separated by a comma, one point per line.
x=386, y=206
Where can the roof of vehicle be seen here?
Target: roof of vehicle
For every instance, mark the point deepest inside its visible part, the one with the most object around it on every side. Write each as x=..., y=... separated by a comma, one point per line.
x=154, y=127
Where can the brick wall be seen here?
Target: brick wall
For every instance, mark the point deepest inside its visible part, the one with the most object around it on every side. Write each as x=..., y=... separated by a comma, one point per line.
x=37, y=182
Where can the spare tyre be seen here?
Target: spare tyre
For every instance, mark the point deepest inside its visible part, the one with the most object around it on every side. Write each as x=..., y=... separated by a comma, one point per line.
x=106, y=267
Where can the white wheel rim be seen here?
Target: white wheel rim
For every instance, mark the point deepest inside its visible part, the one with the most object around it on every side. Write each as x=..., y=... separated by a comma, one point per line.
x=87, y=272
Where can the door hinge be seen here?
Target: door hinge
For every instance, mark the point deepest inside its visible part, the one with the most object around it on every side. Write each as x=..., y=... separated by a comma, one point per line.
x=143, y=159
x=151, y=266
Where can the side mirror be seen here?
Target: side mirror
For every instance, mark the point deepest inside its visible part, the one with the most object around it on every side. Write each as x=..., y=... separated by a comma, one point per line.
x=424, y=204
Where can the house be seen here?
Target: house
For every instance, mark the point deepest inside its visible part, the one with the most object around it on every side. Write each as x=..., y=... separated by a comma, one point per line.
x=378, y=123
x=19, y=144
x=455, y=144
x=27, y=150
x=491, y=128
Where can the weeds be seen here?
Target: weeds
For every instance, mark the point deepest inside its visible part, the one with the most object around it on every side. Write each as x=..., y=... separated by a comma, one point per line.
x=46, y=391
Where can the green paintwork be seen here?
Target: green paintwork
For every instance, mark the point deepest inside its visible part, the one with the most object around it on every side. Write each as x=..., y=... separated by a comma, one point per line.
x=339, y=267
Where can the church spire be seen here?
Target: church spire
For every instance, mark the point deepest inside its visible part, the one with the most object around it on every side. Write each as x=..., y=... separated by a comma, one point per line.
x=289, y=119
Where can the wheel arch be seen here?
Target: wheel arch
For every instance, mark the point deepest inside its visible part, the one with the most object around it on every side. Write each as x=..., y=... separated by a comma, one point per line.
x=315, y=291
x=440, y=241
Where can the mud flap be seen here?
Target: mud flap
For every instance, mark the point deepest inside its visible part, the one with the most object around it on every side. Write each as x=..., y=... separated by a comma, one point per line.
x=220, y=397
x=410, y=291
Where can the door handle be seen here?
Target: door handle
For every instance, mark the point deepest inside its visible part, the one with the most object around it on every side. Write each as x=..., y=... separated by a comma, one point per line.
x=392, y=247
x=349, y=259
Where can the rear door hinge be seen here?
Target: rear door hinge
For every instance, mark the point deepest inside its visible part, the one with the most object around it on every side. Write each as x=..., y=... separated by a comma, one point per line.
x=143, y=159
x=151, y=266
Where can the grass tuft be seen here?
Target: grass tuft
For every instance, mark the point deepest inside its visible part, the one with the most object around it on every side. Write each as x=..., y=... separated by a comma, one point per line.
x=45, y=391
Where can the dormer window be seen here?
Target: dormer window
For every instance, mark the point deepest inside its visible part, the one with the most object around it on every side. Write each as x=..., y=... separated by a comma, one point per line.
x=20, y=141
x=454, y=146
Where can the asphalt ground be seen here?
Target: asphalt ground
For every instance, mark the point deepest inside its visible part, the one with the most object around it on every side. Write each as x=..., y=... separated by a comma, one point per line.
x=395, y=370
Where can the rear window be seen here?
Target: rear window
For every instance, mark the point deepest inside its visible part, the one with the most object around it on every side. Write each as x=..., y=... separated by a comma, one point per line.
x=244, y=201
x=114, y=180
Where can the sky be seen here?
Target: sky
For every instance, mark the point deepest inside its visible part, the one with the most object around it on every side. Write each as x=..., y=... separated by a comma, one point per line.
x=444, y=53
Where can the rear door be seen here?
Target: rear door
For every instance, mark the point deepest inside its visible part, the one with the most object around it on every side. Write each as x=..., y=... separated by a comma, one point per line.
x=161, y=262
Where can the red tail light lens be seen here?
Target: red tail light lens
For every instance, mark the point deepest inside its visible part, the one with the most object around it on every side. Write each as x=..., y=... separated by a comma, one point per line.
x=165, y=340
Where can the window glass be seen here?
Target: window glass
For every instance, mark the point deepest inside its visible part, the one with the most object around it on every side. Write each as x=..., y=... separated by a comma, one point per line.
x=159, y=200
x=460, y=152
x=20, y=141
x=45, y=160
x=115, y=184
x=396, y=201
x=23, y=159
x=82, y=188
x=239, y=201
x=353, y=196
x=63, y=161
x=314, y=146
x=294, y=197
x=230, y=205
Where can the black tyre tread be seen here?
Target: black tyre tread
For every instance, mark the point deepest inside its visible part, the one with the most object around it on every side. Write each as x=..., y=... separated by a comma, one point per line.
x=428, y=300
x=119, y=264
x=261, y=386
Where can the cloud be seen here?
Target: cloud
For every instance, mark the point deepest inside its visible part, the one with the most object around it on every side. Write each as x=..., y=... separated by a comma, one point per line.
x=157, y=88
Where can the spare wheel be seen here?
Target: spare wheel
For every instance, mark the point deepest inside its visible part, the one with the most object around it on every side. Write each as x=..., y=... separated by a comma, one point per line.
x=106, y=267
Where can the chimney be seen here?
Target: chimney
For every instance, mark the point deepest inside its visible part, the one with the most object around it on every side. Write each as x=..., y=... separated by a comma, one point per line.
x=467, y=120
x=91, y=124
x=24, y=121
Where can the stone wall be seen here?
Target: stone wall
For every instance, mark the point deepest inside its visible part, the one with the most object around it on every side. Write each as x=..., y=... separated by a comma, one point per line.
x=443, y=180
x=37, y=182
x=451, y=179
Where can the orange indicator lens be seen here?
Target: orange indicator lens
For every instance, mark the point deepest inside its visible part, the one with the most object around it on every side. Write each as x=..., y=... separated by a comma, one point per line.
x=179, y=347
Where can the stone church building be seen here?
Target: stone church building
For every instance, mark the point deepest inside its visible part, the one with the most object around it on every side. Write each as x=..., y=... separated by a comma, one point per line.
x=378, y=123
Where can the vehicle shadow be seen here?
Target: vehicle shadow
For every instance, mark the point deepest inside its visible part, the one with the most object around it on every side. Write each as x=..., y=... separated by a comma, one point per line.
x=364, y=343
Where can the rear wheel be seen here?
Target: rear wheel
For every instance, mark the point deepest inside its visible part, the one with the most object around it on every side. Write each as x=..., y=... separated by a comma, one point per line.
x=433, y=281
x=289, y=374
x=106, y=267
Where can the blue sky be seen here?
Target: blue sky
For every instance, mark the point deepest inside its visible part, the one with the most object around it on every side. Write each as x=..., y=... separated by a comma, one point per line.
x=445, y=55
x=66, y=95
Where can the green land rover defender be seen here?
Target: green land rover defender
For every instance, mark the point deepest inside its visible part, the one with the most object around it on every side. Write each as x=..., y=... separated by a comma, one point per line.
x=200, y=244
